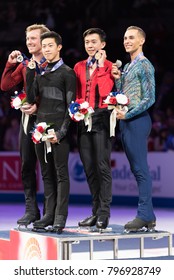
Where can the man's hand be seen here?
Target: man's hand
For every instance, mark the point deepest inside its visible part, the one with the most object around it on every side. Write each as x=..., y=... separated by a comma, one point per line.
x=102, y=57
x=115, y=71
x=30, y=109
x=12, y=58
x=120, y=114
x=53, y=138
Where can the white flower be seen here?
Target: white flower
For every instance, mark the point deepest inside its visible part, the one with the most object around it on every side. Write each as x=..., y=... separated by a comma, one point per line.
x=121, y=99
x=84, y=105
x=79, y=116
x=43, y=124
x=107, y=99
x=37, y=135
x=44, y=138
x=17, y=102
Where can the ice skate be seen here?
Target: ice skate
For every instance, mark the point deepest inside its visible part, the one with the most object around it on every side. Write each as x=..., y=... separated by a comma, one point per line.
x=27, y=219
x=87, y=223
x=102, y=224
x=45, y=224
x=138, y=225
x=59, y=224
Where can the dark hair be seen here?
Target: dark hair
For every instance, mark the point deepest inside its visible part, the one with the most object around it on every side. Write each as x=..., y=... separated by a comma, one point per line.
x=95, y=30
x=52, y=34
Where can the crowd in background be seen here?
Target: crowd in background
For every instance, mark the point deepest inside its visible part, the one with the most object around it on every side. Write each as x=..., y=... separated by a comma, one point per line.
x=70, y=18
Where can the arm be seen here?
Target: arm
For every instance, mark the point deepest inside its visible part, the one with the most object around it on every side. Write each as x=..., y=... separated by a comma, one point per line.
x=70, y=84
x=139, y=86
x=31, y=86
x=105, y=80
x=147, y=98
x=13, y=72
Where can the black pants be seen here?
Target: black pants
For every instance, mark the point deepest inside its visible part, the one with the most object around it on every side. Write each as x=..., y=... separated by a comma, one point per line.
x=28, y=168
x=95, y=151
x=55, y=177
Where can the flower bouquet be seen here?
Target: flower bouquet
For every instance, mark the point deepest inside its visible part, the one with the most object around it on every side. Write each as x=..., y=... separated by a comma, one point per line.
x=80, y=110
x=116, y=100
x=19, y=100
x=39, y=134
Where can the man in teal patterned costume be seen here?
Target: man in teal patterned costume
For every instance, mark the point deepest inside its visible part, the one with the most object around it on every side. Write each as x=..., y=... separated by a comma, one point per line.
x=137, y=81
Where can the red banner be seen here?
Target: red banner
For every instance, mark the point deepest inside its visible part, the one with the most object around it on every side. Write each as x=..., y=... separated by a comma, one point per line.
x=10, y=172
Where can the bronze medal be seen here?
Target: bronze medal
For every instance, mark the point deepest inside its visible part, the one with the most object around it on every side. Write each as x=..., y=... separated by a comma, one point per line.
x=19, y=58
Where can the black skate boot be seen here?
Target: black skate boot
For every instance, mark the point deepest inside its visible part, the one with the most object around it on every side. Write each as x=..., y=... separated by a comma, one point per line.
x=59, y=224
x=41, y=225
x=139, y=225
x=88, y=222
x=102, y=222
x=28, y=218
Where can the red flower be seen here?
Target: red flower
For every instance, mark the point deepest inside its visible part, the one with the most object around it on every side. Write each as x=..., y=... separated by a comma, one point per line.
x=22, y=96
x=84, y=111
x=40, y=129
x=34, y=140
x=113, y=100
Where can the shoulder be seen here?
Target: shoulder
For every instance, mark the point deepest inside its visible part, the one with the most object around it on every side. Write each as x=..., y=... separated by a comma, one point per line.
x=108, y=62
x=146, y=64
x=67, y=70
x=80, y=64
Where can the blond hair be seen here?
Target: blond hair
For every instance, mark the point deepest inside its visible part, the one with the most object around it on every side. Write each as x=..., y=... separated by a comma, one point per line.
x=35, y=26
x=140, y=30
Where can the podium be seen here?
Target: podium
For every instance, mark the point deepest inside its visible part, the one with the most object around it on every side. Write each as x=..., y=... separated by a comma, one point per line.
x=27, y=245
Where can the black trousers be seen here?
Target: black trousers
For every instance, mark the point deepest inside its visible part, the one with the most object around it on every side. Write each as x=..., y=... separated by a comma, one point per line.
x=55, y=175
x=95, y=151
x=28, y=166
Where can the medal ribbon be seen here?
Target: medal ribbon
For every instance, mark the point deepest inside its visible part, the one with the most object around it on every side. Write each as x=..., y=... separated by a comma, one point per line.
x=25, y=119
x=55, y=67
x=47, y=149
x=136, y=59
x=113, y=120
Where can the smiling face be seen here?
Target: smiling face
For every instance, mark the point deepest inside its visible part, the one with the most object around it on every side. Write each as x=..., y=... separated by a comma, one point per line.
x=33, y=41
x=93, y=43
x=133, y=42
x=50, y=50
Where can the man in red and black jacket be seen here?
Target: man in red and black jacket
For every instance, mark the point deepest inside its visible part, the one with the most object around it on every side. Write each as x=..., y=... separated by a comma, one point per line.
x=13, y=74
x=94, y=82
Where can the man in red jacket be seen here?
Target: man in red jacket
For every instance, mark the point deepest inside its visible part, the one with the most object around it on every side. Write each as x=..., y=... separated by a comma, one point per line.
x=13, y=74
x=94, y=82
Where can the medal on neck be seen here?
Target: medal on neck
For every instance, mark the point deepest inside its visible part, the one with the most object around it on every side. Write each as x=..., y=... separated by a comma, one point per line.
x=32, y=64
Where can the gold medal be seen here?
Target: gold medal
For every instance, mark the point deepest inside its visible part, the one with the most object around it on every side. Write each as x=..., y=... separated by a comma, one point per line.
x=32, y=64
x=98, y=55
x=19, y=58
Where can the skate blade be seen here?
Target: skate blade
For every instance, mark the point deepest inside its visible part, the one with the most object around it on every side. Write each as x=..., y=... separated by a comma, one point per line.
x=42, y=229
x=57, y=231
x=87, y=229
x=104, y=230
x=95, y=229
x=22, y=227
x=143, y=230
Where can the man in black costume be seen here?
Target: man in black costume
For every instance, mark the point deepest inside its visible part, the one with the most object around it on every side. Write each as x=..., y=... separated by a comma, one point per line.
x=54, y=90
